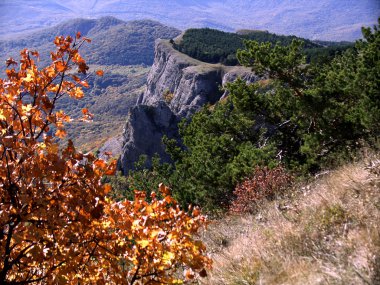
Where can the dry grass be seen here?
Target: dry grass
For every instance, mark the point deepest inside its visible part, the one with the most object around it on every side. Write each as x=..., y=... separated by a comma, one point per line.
x=325, y=233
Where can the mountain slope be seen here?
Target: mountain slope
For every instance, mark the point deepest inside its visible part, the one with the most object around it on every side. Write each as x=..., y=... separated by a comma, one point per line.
x=113, y=41
x=315, y=19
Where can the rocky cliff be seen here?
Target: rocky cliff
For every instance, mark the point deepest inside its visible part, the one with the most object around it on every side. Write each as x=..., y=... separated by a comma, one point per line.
x=177, y=86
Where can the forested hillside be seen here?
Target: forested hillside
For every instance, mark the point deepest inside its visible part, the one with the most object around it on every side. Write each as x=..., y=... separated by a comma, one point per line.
x=216, y=46
x=299, y=119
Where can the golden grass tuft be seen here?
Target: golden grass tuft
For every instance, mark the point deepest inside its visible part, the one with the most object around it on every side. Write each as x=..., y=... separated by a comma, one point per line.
x=327, y=232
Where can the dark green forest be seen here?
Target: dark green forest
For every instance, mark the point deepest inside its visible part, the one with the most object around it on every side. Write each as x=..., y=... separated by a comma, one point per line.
x=214, y=46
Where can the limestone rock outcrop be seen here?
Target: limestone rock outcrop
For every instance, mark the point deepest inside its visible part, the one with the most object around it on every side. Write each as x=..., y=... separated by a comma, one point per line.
x=177, y=87
x=145, y=127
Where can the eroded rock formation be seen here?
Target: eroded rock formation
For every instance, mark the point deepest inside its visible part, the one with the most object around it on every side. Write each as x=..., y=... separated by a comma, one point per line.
x=177, y=87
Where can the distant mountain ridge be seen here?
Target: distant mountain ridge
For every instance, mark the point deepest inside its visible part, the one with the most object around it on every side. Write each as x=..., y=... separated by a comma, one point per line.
x=314, y=19
x=113, y=41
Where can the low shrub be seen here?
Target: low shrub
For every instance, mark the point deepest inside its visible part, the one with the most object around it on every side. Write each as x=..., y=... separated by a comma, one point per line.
x=265, y=183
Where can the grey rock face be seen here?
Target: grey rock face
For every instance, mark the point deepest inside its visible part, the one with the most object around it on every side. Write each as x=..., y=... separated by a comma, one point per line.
x=113, y=146
x=145, y=127
x=190, y=82
x=177, y=87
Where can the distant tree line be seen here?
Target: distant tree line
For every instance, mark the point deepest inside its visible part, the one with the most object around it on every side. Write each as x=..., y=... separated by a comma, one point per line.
x=214, y=46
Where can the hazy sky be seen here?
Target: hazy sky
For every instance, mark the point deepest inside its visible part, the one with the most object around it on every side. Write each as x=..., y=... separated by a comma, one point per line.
x=323, y=19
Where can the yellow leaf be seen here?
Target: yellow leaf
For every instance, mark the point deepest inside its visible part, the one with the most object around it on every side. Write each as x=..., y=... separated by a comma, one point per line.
x=2, y=117
x=50, y=71
x=168, y=257
x=154, y=233
x=42, y=145
x=28, y=78
x=136, y=224
x=53, y=148
x=143, y=243
x=27, y=108
x=78, y=93
x=148, y=209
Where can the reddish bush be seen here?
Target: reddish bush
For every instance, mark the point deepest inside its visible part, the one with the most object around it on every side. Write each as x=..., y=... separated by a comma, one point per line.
x=264, y=183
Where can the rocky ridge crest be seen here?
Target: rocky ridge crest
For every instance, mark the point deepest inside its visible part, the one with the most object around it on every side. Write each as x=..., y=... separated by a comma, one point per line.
x=177, y=87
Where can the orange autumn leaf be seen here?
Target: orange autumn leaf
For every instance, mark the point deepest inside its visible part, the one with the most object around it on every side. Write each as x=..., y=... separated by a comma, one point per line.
x=35, y=54
x=100, y=164
x=76, y=78
x=77, y=58
x=60, y=133
x=77, y=93
x=99, y=72
x=189, y=274
x=84, y=84
x=60, y=66
x=111, y=168
x=107, y=188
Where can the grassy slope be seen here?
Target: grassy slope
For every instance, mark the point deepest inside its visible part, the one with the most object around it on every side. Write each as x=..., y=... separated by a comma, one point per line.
x=325, y=233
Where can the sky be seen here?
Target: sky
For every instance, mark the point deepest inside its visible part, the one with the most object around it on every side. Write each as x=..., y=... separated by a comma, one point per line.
x=314, y=19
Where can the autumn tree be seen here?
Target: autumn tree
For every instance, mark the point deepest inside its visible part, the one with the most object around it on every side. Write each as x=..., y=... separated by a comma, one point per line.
x=57, y=225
